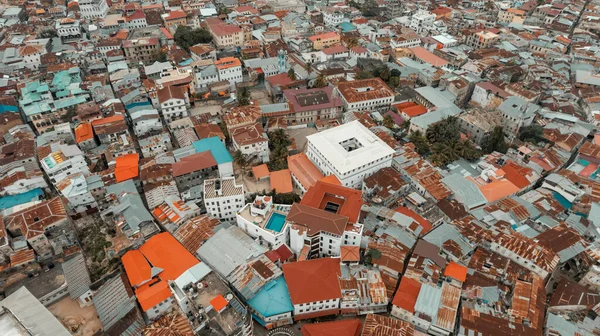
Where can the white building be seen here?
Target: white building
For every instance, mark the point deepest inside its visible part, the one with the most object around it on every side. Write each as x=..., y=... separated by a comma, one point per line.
x=230, y=69
x=351, y=152
x=64, y=160
x=145, y=121
x=332, y=17
x=93, y=8
x=371, y=94
x=74, y=189
x=422, y=21
x=320, y=233
x=263, y=220
x=20, y=180
x=31, y=54
x=173, y=103
x=155, y=144
x=223, y=198
x=68, y=28
x=251, y=140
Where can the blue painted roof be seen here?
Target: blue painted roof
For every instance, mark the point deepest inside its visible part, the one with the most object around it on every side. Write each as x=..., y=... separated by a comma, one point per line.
x=10, y=201
x=347, y=26
x=133, y=105
x=272, y=299
x=8, y=108
x=216, y=148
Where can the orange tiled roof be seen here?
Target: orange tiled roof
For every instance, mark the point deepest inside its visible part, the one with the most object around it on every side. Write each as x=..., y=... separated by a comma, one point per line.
x=281, y=181
x=304, y=170
x=126, y=167
x=499, y=189
x=83, y=132
x=313, y=280
x=407, y=293
x=260, y=171
x=348, y=199
x=350, y=253
x=456, y=271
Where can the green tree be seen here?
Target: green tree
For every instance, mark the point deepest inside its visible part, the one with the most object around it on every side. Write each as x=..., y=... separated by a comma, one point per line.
x=496, y=143
x=321, y=80
x=420, y=142
x=48, y=33
x=185, y=37
x=388, y=121
x=363, y=75
x=159, y=56
x=533, y=134
x=308, y=67
x=291, y=74
x=243, y=97
x=278, y=144
x=394, y=82
x=446, y=131
x=353, y=42
x=395, y=73
x=385, y=74
x=241, y=160
x=372, y=255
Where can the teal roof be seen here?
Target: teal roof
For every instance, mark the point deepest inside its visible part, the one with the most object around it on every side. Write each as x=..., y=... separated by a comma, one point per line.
x=8, y=108
x=272, y=299
x=216, y=148
x=64, y=103
x=7, y=202
x=347, y=26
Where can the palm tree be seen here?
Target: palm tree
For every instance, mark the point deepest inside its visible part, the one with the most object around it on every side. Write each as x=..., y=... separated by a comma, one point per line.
x=309, y=68
x=385, y=74
x=388, y=121
x=241, y=160
x=291, y=74
x=321, y=80
x=353, y=42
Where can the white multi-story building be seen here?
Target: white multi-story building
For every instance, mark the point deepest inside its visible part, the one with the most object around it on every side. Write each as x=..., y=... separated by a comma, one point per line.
x=64, y=160
x=351, y=152
x=371, y=94
x=223, y=198
x=173, y=103
x=93, y=8
x=68, y=28
x=145, y=121
x=322, y=273
x=74, y=189
x=422, y=21
x=251, y=140
x=32, y=54
x=332, y=17
x=230, y=69
x=265, y=221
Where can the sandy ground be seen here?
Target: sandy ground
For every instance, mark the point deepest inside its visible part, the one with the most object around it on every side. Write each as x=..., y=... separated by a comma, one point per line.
x=69, y=313
x=261, y=96
x=300, y=136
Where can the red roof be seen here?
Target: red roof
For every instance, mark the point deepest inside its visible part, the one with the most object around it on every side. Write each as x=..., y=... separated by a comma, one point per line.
x=164, y=251
x=194, y=162
x=127, y=167
x=517, y=174
x=333, y=328
x=260, y=171
x=313, y=280
x=348, y=199
x=116, y=117
x=415, y=111
x=456, y=271
x=175, y=15
x=426, y=56
x=152, y=293
x=335, y=50
x=424, y=223
x=407, y=293
x=282, y=253
x=588, y=170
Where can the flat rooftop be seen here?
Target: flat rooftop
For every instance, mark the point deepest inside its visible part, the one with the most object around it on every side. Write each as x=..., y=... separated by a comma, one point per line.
x=259, y=221
x=349, y=146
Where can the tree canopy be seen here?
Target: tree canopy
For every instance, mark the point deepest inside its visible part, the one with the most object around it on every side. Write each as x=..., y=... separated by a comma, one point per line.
x=278, y=144
x=533, y=134
x=243, y=97
x=496, y=143
x=185, y=37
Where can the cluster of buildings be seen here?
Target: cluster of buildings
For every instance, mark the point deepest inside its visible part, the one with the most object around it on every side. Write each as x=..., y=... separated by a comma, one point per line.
x=239, y=168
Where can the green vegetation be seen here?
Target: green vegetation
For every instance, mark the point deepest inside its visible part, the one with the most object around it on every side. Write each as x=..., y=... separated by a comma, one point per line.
x=533, y=134
x=388, y=122
x=278, y=144
x=321, y=81
x=496, y=143
x=372, y=254
x=442, y=141
x=93, y=238
x=185, y=37
x=159, y=56
x=243, y=97
x=391, y=78
x=241, y=160
x=48, y=33
x=291, y=74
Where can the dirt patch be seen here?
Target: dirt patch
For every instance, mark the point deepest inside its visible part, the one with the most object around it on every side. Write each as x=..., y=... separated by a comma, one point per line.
x=299, y=135
x=79, y=321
